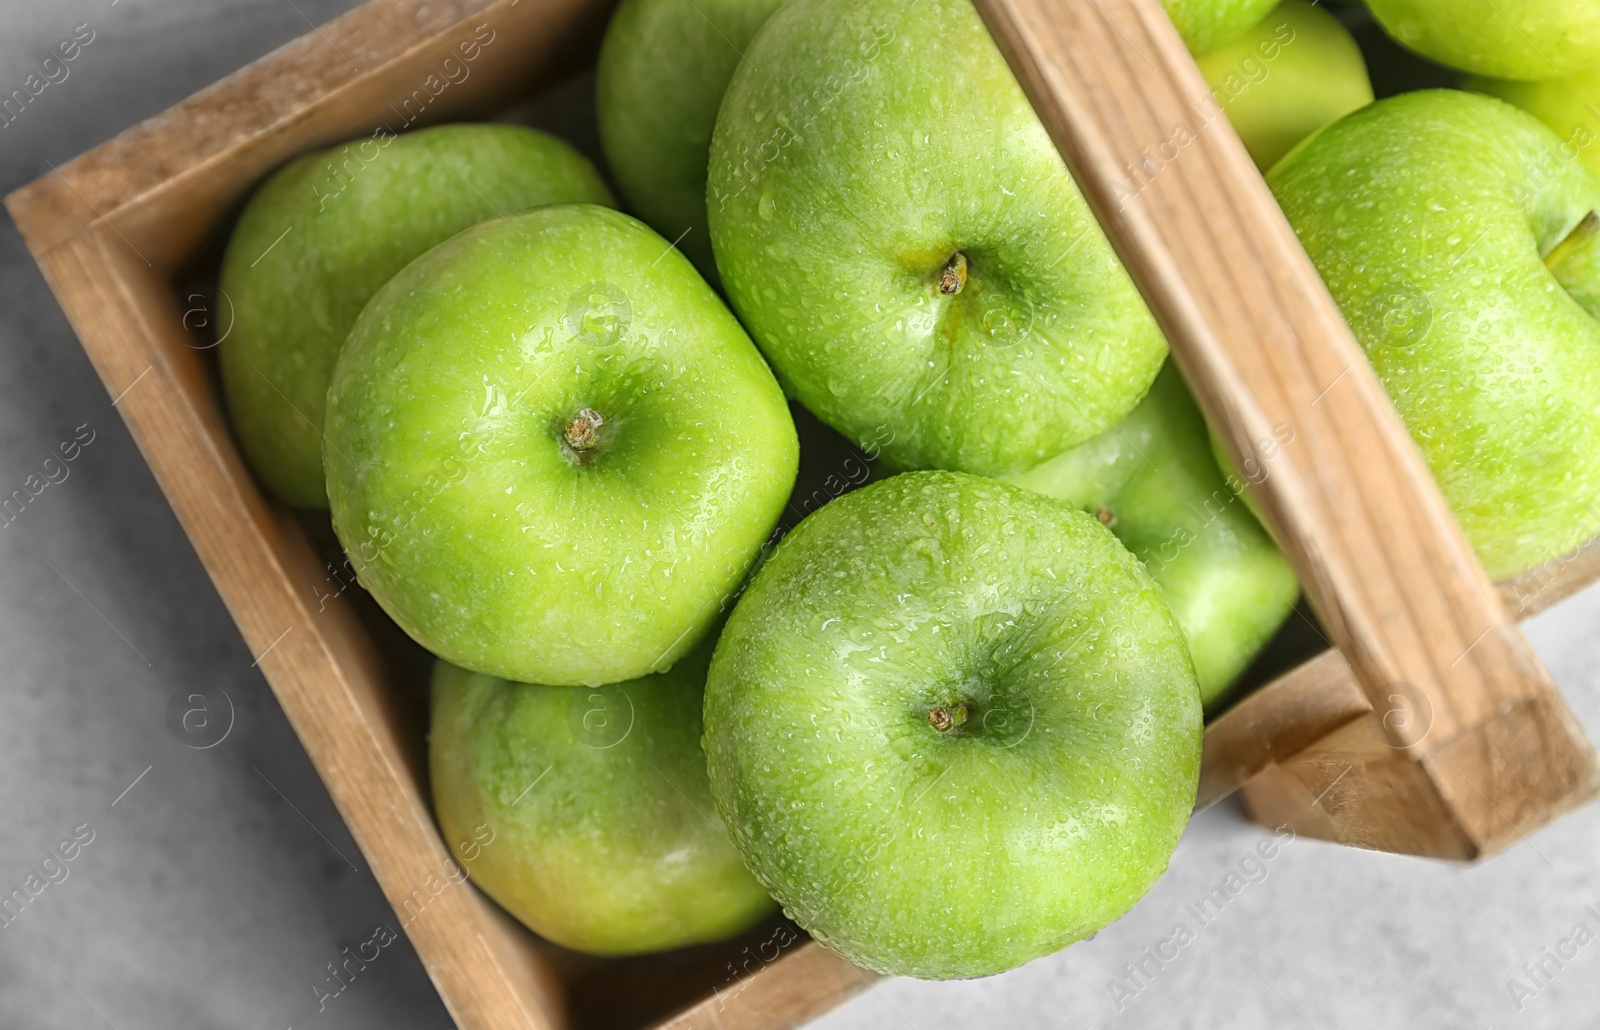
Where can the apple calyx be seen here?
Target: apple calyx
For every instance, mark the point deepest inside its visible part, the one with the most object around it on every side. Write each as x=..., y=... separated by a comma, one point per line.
x=1575, y=262
x=954, y=277
x=581, y=435
x=945, y=718
x=1106, y=517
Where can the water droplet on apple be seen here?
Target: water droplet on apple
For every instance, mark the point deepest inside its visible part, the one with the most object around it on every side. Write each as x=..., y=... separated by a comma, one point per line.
x=598, y=313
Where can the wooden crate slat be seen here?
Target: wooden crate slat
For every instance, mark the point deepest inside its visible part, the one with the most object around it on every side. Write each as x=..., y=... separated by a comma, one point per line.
x=1277, y=721
x=802, y=985
x=163, y=183
x=320, y=663
x=1270, y=360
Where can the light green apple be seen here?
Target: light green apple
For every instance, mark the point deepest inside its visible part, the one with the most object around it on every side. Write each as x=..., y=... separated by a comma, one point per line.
x=552, y=452
x=1437, y=219
x=1206, y=25
x=1570, y=106
x=1508, y=39
x=902, y=239
x=585, y=812
x=1295, y=72
x=953, y=726
x=323, y=233
x=1152, y=480
x=664, y=65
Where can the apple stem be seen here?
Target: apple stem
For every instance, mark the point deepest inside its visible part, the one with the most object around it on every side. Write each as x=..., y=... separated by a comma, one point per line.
x=954, y=277
x=1576, y=264
x=582, y=432
x=1106, y=517
x=945, y=718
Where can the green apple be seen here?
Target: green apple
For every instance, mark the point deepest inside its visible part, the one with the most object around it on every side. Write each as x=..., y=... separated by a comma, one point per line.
x=1508, y=39
x=1295, y=72
x=664, y=66
x=1431, y=217
x=1570, y=106
x=1152, y=480
x=585, y=812
x=323, y=233
x=552, y=452
x=1255, y=472
x=1208, y=24
x=953, y=726
x=902, y=239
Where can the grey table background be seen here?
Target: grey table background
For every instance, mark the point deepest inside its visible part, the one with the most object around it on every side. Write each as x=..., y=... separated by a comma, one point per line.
x=217, y=889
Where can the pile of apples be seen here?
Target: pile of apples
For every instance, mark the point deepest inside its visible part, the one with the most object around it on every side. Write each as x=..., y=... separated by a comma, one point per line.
x=951, y=720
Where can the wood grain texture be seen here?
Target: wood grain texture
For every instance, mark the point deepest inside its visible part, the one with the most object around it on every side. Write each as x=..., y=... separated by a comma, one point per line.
x=1271, y=361
x=1292, y=749
x=1352, y=788
x=804, y=984
x=1278, y=721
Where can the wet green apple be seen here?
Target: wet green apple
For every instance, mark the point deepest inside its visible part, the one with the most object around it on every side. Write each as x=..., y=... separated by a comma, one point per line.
x=898, y=232
x=1152, y=480
x=323, y=233
x=1290, y=75
x=1456, y=236
x=664, y=66
x=1508, y=39
x=952, y=725
x=552, y=452
x=1208, y=24
x=585, y=812
x=1570, y=106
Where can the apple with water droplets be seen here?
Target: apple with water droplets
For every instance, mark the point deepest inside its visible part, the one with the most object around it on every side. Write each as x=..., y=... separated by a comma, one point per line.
x=552, y=453
x=899, y=234
x=952, y=726
x=1461, y=242
x=585, y=812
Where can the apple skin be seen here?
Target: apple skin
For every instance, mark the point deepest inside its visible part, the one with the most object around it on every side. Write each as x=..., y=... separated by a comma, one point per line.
x=1570, y=106
x=458, y=498
x=320, y=236
x=1152, y=479
x=586, y=812
x=863, y=146
x=1295, y=72
x=1507, y=39
x=1427, y=215
x=1206, y=25
x=664, y=66
x=961, y=852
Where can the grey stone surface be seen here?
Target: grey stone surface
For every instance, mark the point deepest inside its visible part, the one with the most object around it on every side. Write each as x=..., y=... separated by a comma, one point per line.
x=219, y=883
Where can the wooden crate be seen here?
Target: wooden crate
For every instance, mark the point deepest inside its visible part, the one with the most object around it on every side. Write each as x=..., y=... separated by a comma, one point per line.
x=119, y=230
